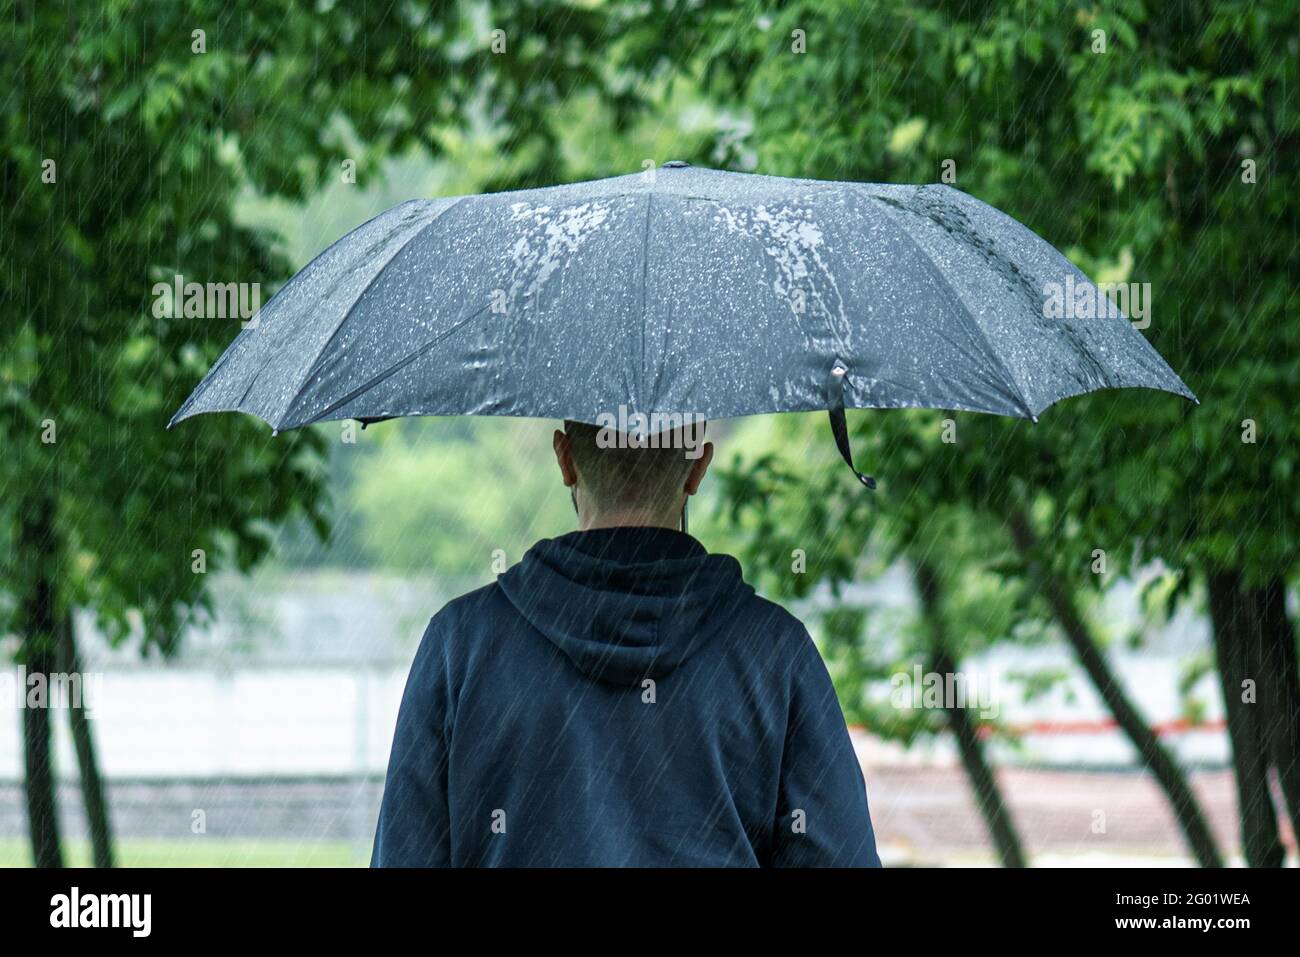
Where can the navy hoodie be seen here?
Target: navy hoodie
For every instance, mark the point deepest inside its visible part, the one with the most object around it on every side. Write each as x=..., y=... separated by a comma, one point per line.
x=621, y=698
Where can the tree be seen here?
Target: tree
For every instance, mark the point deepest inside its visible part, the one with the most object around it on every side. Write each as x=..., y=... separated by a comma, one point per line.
x=126, y=133
x=1152, y=149
x=804, y=539
x=988, y=795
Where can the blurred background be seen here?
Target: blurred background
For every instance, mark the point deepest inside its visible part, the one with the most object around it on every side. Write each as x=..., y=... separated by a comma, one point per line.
x=1064, y=643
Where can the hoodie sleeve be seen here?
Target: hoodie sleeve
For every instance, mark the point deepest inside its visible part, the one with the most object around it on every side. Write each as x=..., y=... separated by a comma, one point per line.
x=414, y=826
x=822, y=815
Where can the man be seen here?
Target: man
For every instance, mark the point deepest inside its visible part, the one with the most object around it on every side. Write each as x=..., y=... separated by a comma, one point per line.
x=621, y=698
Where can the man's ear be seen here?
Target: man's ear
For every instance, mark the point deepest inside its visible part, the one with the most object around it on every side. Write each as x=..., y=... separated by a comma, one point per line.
x=698, y=468
x=563, y=446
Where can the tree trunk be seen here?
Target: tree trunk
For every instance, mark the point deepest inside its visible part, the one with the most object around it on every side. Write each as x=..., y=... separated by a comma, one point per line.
x=1239, y=651
x=42, y=812
x=988, y=795
x=1283, y=714
x=1154, y=756
x=38, y=654
x=92, y=787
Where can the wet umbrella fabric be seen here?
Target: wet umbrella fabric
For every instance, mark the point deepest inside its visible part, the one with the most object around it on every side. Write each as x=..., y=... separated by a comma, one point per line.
x=680, y=290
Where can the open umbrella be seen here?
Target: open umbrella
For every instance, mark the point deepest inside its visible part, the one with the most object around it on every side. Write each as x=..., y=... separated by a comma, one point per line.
x=681, y=291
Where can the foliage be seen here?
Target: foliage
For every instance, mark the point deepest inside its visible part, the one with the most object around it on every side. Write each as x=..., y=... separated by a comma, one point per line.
x=1130, y=159
x=157, y=117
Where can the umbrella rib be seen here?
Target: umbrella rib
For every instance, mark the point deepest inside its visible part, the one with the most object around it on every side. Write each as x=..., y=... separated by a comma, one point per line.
x=966, y=310
x=329, y=290
x=645, y=278
x=830, y=186
x=394, y=368
x=250, y=331
x=315, y=365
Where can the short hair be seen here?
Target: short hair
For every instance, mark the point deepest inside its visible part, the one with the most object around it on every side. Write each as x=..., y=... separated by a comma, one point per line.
x=618, y=474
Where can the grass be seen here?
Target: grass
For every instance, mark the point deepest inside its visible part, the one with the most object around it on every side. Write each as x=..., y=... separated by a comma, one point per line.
x=197, y=852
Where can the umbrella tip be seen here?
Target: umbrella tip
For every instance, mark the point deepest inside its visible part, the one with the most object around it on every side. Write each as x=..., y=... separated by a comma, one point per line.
x=676, y=164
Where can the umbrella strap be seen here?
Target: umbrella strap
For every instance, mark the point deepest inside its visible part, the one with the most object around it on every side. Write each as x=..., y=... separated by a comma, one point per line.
x=839, y=428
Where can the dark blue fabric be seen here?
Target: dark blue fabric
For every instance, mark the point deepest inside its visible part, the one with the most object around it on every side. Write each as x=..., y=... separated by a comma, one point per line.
x=621, y=698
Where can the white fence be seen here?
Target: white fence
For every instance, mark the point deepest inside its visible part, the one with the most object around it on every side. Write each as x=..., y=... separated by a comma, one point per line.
x=202, y=722
x=301, y=676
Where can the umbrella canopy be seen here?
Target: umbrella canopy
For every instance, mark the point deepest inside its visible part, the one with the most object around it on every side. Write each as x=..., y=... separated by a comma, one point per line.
x=679, y=290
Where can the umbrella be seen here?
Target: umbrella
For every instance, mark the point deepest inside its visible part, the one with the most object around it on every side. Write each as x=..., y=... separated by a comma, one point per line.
x=681, y=291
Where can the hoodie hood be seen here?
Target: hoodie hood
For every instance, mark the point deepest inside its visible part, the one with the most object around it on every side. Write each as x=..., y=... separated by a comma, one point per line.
x=625, y=604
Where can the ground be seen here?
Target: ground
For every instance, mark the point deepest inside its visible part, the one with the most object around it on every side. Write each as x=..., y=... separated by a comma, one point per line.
x=923, y=816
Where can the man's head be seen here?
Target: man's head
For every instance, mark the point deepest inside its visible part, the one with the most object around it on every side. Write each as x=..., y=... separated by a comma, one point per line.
x=617, y=479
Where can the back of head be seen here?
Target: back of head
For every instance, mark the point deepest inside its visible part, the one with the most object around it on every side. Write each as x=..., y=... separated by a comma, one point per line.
x=631, y=472
x=627, y=596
